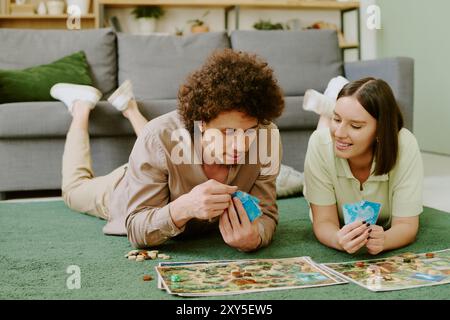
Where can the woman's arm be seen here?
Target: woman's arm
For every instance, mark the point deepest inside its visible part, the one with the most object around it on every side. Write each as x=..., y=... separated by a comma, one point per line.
x=403, y=231
x=326, y=225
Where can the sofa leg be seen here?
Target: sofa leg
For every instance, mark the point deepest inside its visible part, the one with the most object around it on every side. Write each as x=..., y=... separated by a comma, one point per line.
x=2, y=196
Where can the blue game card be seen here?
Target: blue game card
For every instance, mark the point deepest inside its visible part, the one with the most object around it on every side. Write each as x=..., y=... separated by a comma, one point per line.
x=250, y=204
x=428, y=277
x=361, y=211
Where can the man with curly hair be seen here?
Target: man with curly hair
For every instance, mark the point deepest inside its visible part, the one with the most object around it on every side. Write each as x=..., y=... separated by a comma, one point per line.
x=154, y=197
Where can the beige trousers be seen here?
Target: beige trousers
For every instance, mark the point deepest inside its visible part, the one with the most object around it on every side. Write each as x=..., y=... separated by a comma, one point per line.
x=82, y=191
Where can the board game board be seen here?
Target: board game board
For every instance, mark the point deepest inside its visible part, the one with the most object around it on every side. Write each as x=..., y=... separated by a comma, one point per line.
x=398, y=272
x=243, y=276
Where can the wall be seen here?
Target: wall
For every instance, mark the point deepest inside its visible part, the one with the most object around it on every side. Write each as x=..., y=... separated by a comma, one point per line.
x=419, y=29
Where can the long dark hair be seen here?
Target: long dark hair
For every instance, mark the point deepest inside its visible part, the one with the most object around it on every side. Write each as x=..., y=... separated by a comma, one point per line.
x=376, y=96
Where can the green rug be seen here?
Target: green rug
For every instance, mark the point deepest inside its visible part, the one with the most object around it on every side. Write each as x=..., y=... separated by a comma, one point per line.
x=39, y=240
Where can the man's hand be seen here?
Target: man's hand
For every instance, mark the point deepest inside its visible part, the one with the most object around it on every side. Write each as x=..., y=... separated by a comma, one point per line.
x=353, y=236
x=206, y=201
x=376, y=240
x=237, y=230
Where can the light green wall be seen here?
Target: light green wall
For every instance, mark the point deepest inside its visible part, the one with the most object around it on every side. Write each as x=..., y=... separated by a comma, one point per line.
x=420, y=29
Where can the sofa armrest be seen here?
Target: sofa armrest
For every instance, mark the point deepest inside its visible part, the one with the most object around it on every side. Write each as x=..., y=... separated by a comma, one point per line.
x=397, y=72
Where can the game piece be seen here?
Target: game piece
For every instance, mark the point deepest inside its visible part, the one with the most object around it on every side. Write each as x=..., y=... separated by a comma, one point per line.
x=133, y=252
x=132, y=258
x=147, y=277
x=250, y=204
x=361, y=211
x=140, y=258
x=236, y=274
x=175, y=278
x=430, y=255
x=409, y=255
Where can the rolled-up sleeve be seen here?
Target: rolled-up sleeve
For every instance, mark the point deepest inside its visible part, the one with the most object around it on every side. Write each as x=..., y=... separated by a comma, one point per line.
x=265, y=190
x=148, y=219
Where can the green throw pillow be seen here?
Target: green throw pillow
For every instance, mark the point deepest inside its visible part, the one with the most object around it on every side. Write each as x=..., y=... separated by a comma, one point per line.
x=34, y=84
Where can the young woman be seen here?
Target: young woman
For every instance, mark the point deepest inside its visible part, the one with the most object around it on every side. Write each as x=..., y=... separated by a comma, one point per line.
x=153, y=198
x=362, y=153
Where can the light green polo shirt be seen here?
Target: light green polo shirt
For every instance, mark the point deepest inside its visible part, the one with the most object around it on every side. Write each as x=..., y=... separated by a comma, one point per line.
x=329, y=180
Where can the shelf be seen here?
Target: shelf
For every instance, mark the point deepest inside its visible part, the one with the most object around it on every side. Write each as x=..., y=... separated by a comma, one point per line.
x=297, y=4
x=348, y=45
x=39, y=17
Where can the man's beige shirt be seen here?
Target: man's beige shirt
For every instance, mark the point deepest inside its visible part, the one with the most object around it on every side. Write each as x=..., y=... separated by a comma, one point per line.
x=139, y=204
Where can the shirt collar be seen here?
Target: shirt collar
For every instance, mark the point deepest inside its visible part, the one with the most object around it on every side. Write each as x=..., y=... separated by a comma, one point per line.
x=343, y=170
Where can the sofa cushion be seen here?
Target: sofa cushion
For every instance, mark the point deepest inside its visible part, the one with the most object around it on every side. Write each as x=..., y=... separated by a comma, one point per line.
x=34, y=84
x=294, y=117
x=18, y=120
x=26, y=48
x=301, y=60
x=158, y=65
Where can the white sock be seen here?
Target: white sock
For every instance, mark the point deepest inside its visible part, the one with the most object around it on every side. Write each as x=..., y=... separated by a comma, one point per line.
x=335, y=86
x=319, y=103
x=120, y=98
x=69, y=93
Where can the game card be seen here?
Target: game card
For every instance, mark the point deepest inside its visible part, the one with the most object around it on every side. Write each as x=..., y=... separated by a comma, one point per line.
x=250, y=204
x=361, y=211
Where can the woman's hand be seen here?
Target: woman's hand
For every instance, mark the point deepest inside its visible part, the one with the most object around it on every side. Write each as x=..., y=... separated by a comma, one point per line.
x=237, y=230
x=376, y=240
x=353, y=236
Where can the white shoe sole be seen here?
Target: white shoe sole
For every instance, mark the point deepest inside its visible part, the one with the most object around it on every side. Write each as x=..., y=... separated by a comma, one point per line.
x=335, y=86
x=319, y=103
x=123, y=94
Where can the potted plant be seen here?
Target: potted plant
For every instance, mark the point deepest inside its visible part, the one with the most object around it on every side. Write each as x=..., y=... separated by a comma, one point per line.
x=268, y=25
x=146, y=17
x=179, y=32
x=198, y=25
x=83, y=5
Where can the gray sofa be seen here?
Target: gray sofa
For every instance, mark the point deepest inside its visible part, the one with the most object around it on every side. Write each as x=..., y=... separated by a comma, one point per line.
x=32, y=134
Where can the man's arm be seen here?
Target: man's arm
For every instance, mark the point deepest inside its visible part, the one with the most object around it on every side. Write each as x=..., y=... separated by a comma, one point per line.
x=149, y=222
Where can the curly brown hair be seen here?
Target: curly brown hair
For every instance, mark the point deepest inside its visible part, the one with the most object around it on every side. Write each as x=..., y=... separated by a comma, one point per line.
x=230, y=81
